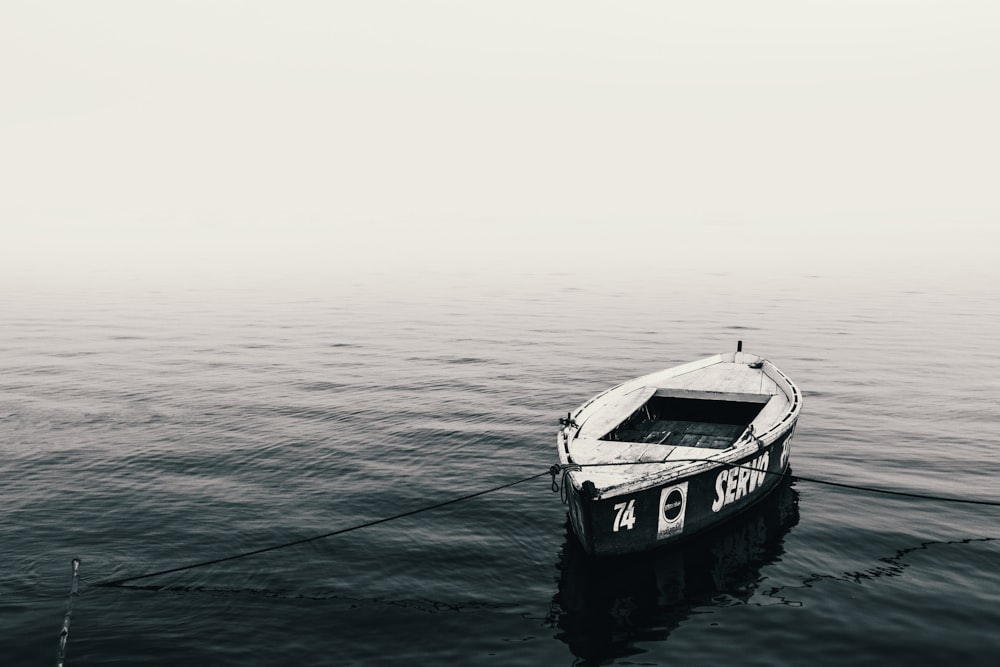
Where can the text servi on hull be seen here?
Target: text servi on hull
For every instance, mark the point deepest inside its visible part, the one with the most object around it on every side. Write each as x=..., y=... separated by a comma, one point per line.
x=670, y=454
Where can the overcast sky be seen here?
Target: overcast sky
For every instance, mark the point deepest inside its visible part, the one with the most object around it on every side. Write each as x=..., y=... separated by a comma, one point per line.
x=213, y=135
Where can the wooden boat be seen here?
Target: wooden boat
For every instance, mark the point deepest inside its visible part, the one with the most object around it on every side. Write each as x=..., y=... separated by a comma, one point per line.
x=668, y=455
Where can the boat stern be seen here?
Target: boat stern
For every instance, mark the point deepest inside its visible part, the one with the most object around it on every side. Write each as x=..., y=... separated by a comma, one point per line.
x=609, y=523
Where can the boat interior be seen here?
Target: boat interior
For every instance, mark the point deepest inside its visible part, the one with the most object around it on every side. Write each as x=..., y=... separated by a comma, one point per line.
x=704, y=419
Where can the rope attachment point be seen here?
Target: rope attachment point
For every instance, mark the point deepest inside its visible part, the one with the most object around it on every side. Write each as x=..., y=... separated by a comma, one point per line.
x=559, y=486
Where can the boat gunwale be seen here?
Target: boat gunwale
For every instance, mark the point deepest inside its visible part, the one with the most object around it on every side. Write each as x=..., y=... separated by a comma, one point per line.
x=667, y=473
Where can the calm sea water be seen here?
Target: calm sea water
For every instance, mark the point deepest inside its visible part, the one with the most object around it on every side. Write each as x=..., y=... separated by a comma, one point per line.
x=142, y=429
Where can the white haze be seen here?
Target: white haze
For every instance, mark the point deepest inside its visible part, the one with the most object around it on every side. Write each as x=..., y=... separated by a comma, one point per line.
x=144, y=140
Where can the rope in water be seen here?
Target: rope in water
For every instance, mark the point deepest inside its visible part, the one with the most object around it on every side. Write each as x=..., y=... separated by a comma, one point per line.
x=119, y=582
x=557, y=486
x=74, y=592
x=906, y=494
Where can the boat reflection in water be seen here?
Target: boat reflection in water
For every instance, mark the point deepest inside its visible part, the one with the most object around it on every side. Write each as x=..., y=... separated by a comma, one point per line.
x=605, y=605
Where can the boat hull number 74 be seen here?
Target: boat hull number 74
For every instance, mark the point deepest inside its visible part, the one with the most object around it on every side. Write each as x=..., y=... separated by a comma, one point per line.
x=624, y=515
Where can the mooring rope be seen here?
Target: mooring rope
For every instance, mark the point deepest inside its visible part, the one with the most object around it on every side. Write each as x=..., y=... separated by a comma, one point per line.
x=906, y=494
x=559, y=473
x=560, y=486
x=452, y=501
x=74, y=592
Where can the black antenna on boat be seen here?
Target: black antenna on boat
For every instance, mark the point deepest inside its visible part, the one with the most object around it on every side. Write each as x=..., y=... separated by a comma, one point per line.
x=739, y=346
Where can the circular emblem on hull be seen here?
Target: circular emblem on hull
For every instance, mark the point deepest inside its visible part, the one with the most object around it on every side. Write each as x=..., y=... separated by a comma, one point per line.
x=673, y=505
